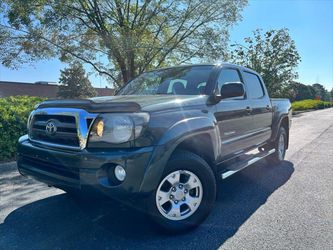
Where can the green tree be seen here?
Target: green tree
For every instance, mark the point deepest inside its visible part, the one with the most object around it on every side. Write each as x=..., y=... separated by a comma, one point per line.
x=296, y=91
x=321, y=92
x=272, y=54
x=117, y=38
x=75, y=83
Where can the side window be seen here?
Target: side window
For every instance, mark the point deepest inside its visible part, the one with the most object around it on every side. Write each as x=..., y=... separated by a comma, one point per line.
x=254, y=86
x=228, y=75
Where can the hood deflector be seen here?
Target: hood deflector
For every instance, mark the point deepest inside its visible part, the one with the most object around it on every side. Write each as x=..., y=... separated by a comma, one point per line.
x=91, y=106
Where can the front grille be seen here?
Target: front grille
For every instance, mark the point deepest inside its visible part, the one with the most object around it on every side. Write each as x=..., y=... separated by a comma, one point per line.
x=64, y=133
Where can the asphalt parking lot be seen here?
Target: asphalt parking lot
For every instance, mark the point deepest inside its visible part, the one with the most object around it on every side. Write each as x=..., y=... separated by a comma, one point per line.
x=289, y=206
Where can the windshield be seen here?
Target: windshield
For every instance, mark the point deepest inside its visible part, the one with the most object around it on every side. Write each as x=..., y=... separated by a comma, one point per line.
x=173, y=81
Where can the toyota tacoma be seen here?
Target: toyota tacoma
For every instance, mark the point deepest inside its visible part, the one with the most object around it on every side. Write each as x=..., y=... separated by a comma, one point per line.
x=165, y=138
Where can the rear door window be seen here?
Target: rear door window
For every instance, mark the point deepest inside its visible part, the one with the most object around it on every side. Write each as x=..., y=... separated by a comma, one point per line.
x=254, y=86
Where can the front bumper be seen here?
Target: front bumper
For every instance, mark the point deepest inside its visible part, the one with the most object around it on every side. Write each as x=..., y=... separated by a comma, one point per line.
x=84, y=170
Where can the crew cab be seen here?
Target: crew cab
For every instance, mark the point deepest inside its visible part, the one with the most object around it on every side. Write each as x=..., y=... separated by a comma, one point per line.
x=165, y=138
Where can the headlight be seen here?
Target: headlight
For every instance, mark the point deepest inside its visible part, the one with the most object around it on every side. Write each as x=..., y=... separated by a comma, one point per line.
x=118, y=128
x=29, y=121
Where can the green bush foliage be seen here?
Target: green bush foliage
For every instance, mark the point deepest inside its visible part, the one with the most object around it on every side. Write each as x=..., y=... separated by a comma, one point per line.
x=310, y=104
x=14, y=113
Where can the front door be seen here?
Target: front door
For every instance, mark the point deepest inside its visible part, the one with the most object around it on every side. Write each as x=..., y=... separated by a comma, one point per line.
x=233, y=117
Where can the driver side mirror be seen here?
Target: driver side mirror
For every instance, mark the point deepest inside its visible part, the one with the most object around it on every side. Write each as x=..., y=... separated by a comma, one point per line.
x=232, y=89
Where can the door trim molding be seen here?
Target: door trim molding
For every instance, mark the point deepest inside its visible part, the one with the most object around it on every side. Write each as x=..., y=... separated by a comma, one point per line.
x=231, y=140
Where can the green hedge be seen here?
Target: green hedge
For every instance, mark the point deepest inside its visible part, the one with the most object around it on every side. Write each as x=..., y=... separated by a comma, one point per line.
x=14, y=112
x=310, y=104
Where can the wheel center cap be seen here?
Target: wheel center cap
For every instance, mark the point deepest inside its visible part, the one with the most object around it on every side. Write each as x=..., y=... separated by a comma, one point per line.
x=179, y=194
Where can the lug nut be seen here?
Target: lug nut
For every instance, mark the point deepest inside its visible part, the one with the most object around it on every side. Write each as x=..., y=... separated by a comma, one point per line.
x=171, y=196
x=176, y=201
x=183, y=199
x=173, y=189
x=185, y=191
x=180, y=186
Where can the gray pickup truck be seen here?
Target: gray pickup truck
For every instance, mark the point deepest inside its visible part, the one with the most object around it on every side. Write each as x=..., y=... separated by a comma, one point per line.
x=165, y=139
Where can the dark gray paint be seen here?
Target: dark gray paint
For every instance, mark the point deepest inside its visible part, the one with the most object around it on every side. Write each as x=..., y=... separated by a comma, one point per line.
x=231, y=126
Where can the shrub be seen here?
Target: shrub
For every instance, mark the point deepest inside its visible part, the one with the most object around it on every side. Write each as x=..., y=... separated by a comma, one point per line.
x=14, y=112
x=310, y=104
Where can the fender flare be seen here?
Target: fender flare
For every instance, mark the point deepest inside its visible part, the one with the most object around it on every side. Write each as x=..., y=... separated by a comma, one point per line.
x=175, y=135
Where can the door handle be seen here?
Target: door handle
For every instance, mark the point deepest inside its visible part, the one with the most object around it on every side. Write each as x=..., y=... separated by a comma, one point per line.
x=248, y=109
x=268, y=108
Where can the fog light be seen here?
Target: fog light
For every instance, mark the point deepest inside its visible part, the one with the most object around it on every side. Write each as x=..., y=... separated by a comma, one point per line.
x=120, y=173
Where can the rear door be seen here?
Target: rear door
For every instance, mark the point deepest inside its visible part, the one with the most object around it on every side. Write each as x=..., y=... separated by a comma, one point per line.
x=233, y=116
x=261, y=108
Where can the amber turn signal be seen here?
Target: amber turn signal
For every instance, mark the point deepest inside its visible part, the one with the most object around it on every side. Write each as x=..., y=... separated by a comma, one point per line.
x=100, y=128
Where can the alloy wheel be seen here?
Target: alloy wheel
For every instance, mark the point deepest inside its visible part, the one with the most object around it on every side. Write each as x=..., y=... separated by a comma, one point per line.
x=179, y=195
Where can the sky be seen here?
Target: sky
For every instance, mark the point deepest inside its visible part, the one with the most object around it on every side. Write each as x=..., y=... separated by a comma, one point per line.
x=310, y=23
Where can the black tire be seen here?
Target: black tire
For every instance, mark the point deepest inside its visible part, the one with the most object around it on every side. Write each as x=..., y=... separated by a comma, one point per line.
x=192, y=163
x=278, y=156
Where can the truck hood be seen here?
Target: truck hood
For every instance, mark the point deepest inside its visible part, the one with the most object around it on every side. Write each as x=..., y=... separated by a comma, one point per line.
x=151, y=103
x=131, y=103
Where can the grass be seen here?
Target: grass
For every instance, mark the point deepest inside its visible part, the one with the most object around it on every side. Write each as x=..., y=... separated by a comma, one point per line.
x=310, y=104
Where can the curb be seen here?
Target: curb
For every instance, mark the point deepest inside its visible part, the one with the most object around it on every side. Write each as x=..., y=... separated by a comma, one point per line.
x=308, y=110
x=6, y=163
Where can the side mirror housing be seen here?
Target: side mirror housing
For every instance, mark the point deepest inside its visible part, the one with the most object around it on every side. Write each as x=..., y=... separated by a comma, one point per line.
x=228, y=90
x=232, y=89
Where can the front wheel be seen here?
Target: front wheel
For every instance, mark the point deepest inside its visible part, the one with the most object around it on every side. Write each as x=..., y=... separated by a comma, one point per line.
x=185, y=194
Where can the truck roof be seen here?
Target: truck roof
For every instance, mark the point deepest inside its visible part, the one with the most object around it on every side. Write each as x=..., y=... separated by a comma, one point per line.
x=220, y=64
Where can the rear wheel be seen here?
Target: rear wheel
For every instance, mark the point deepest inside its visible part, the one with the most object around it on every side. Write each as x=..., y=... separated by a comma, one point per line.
x=280, y=146
x=185, y=195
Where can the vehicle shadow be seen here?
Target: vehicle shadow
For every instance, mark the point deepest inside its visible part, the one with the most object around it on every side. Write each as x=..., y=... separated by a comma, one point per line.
x=59, y=222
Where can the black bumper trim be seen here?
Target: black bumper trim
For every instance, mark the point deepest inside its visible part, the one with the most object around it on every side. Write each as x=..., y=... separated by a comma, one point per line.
x=47, y=177
x=84, y=170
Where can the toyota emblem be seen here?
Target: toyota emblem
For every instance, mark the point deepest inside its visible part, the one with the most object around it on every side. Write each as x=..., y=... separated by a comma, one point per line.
x=51, y=128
